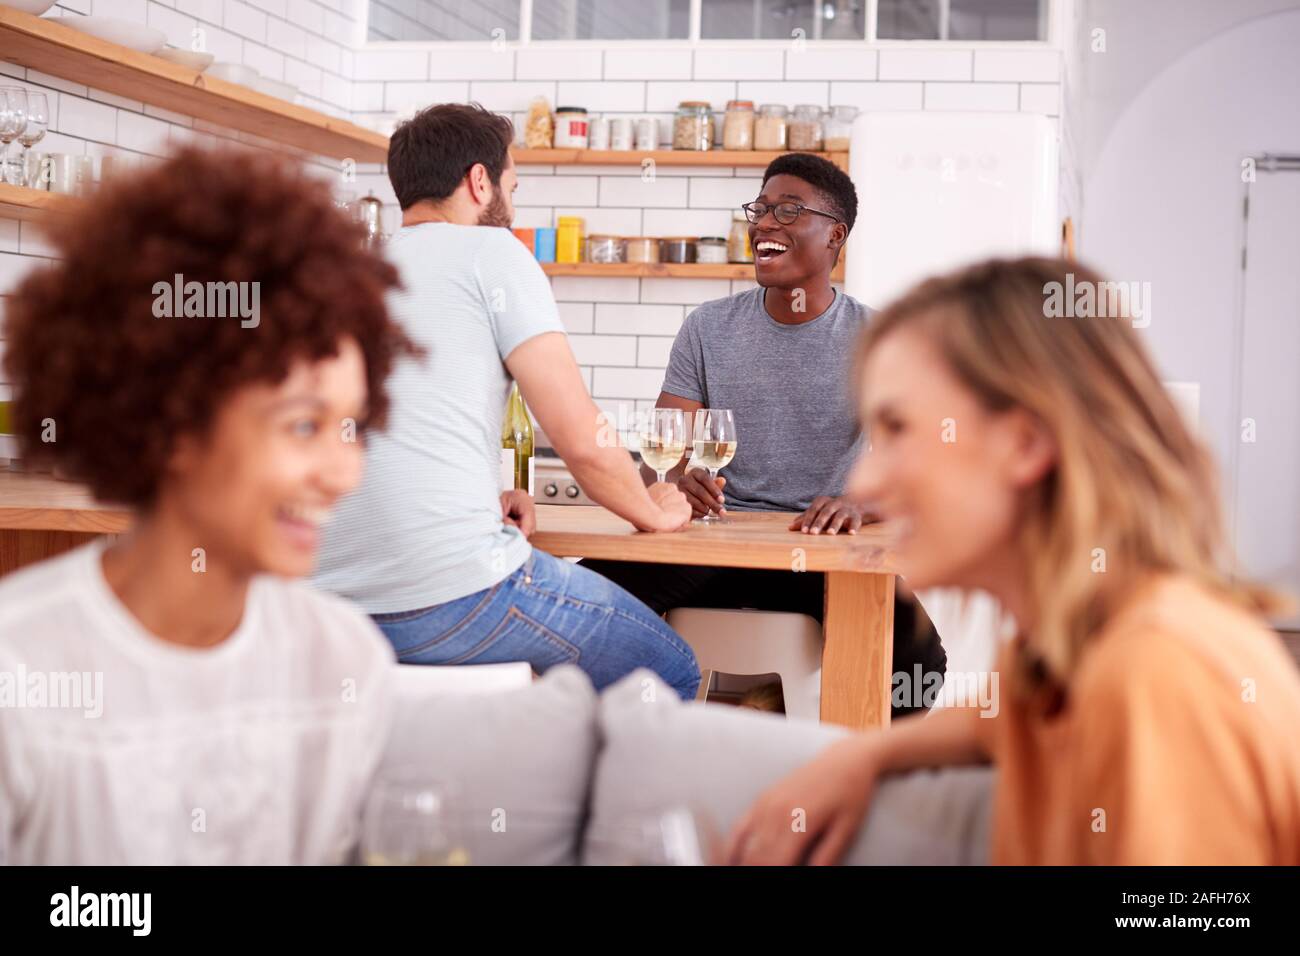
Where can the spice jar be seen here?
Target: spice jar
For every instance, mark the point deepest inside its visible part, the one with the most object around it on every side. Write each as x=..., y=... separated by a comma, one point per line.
x=806, y=128
x=605, y=249
x=568, y=239
x=647, y=134
x=598, y=133
x=837, y=128
x=570, y=127
x=770, y=127
x=738, y=247
x=693, y=126
x=677, y=249
x=620, y=133
x=711, y=249
x=738, y=125
x=642, y=249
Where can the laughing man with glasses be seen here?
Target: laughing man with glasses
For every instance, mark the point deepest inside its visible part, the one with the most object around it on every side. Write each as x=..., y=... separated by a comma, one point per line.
x=779, y=356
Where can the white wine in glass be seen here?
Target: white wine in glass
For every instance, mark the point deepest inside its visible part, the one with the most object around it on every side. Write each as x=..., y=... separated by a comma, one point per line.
x=410, y=820
x=714, y=443
x=715, y=455
x=661, y=436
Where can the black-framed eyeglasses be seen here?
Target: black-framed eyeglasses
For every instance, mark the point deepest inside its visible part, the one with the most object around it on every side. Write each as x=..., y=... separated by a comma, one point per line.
x=785, y=212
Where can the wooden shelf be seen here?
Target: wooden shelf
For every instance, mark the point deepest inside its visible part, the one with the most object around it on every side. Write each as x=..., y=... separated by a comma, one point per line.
x=662, y=157
x=665, y=270
x=51, y=47
x=662, y=270
x=19, y=202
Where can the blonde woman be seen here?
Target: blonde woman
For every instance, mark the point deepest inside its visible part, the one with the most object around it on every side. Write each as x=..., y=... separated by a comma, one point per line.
x=1147, y=714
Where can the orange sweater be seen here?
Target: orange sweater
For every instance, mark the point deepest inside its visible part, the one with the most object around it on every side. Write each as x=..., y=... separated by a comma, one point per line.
x=1179, y=744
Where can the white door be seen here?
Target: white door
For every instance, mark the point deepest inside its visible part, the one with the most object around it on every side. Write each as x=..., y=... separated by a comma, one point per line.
x=1266, y=504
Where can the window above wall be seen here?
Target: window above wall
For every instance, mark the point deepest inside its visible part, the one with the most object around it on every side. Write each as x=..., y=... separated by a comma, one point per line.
x=613, y=20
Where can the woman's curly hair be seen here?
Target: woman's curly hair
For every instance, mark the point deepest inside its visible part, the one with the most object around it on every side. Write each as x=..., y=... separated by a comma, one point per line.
x=103, y=387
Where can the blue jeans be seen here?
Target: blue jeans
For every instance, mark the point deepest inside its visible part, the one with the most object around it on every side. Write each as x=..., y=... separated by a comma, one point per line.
x=548, y=612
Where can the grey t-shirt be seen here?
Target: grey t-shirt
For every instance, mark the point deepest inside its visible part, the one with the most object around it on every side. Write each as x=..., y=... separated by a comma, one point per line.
x=788, y=387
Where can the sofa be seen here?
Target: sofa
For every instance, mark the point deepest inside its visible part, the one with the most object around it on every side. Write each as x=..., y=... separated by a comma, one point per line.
x=554, y=774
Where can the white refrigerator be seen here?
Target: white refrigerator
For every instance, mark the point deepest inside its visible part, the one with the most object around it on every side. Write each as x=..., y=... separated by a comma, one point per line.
x=937, y=191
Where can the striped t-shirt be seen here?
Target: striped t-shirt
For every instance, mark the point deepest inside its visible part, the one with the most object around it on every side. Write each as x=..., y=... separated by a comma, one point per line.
x=425, y=525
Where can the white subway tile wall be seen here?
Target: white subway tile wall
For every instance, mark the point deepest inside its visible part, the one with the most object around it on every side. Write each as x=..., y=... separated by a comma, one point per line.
x=284, y=39
x=622, y=329
x=622, y=325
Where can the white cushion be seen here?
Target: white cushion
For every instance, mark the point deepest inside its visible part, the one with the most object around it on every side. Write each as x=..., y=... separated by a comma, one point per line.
x=660, y=754
x=520, y=760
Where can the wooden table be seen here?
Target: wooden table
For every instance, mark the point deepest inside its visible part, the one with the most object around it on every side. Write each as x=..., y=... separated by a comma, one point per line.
x=859, y=617
x=41, y=517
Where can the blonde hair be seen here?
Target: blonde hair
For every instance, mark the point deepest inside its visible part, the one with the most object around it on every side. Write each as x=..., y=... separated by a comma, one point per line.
x=1130, y=477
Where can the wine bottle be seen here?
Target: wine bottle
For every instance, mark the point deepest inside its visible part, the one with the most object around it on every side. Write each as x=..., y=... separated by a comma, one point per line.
x=517, y=442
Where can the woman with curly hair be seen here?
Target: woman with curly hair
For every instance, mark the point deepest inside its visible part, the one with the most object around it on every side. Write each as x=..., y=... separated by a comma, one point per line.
x=230, y=715
x=1147, y=714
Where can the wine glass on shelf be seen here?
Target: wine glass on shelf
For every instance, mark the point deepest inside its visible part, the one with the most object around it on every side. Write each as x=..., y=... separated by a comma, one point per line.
x=13, y=120
x=714, y=443
x=410, y=820
x=661, y=437
x=38, y=121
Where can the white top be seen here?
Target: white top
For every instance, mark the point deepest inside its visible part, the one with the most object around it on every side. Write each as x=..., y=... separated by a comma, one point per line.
x=425, y=525
x=119, y=748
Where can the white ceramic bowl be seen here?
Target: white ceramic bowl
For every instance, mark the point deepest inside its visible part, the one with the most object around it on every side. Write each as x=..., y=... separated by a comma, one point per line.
x=133, y=36
x=234, y=73
x=282, y=91
x=34, y=7
x=192, y=59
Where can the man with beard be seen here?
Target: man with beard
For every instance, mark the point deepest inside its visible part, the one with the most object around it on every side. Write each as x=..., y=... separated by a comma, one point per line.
x=428, y=544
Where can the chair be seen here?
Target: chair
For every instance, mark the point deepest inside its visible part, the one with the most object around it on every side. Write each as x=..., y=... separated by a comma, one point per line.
x=758, y=642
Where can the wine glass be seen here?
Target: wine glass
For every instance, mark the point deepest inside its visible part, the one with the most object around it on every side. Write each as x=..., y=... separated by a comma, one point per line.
x=38, y=120
x=714, y=443
x=410, y=820
x=677, y=836
x=13, y=120
x=661, y=436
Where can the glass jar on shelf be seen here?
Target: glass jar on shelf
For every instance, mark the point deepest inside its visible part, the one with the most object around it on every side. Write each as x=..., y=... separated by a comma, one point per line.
x=806, y=128
x=738, y=125
x=770, y=126
x=677, y=249
x=571, y=127
x=693, y=126
x=837, y=128
x=606, y=249
x=711, y=249
x=738, y=247
x=642, y=249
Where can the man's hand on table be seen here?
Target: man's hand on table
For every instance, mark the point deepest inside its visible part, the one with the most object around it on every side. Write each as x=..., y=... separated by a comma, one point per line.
x=674, y=509
x=827, y=515
x=518, y=509
x=703, y=492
